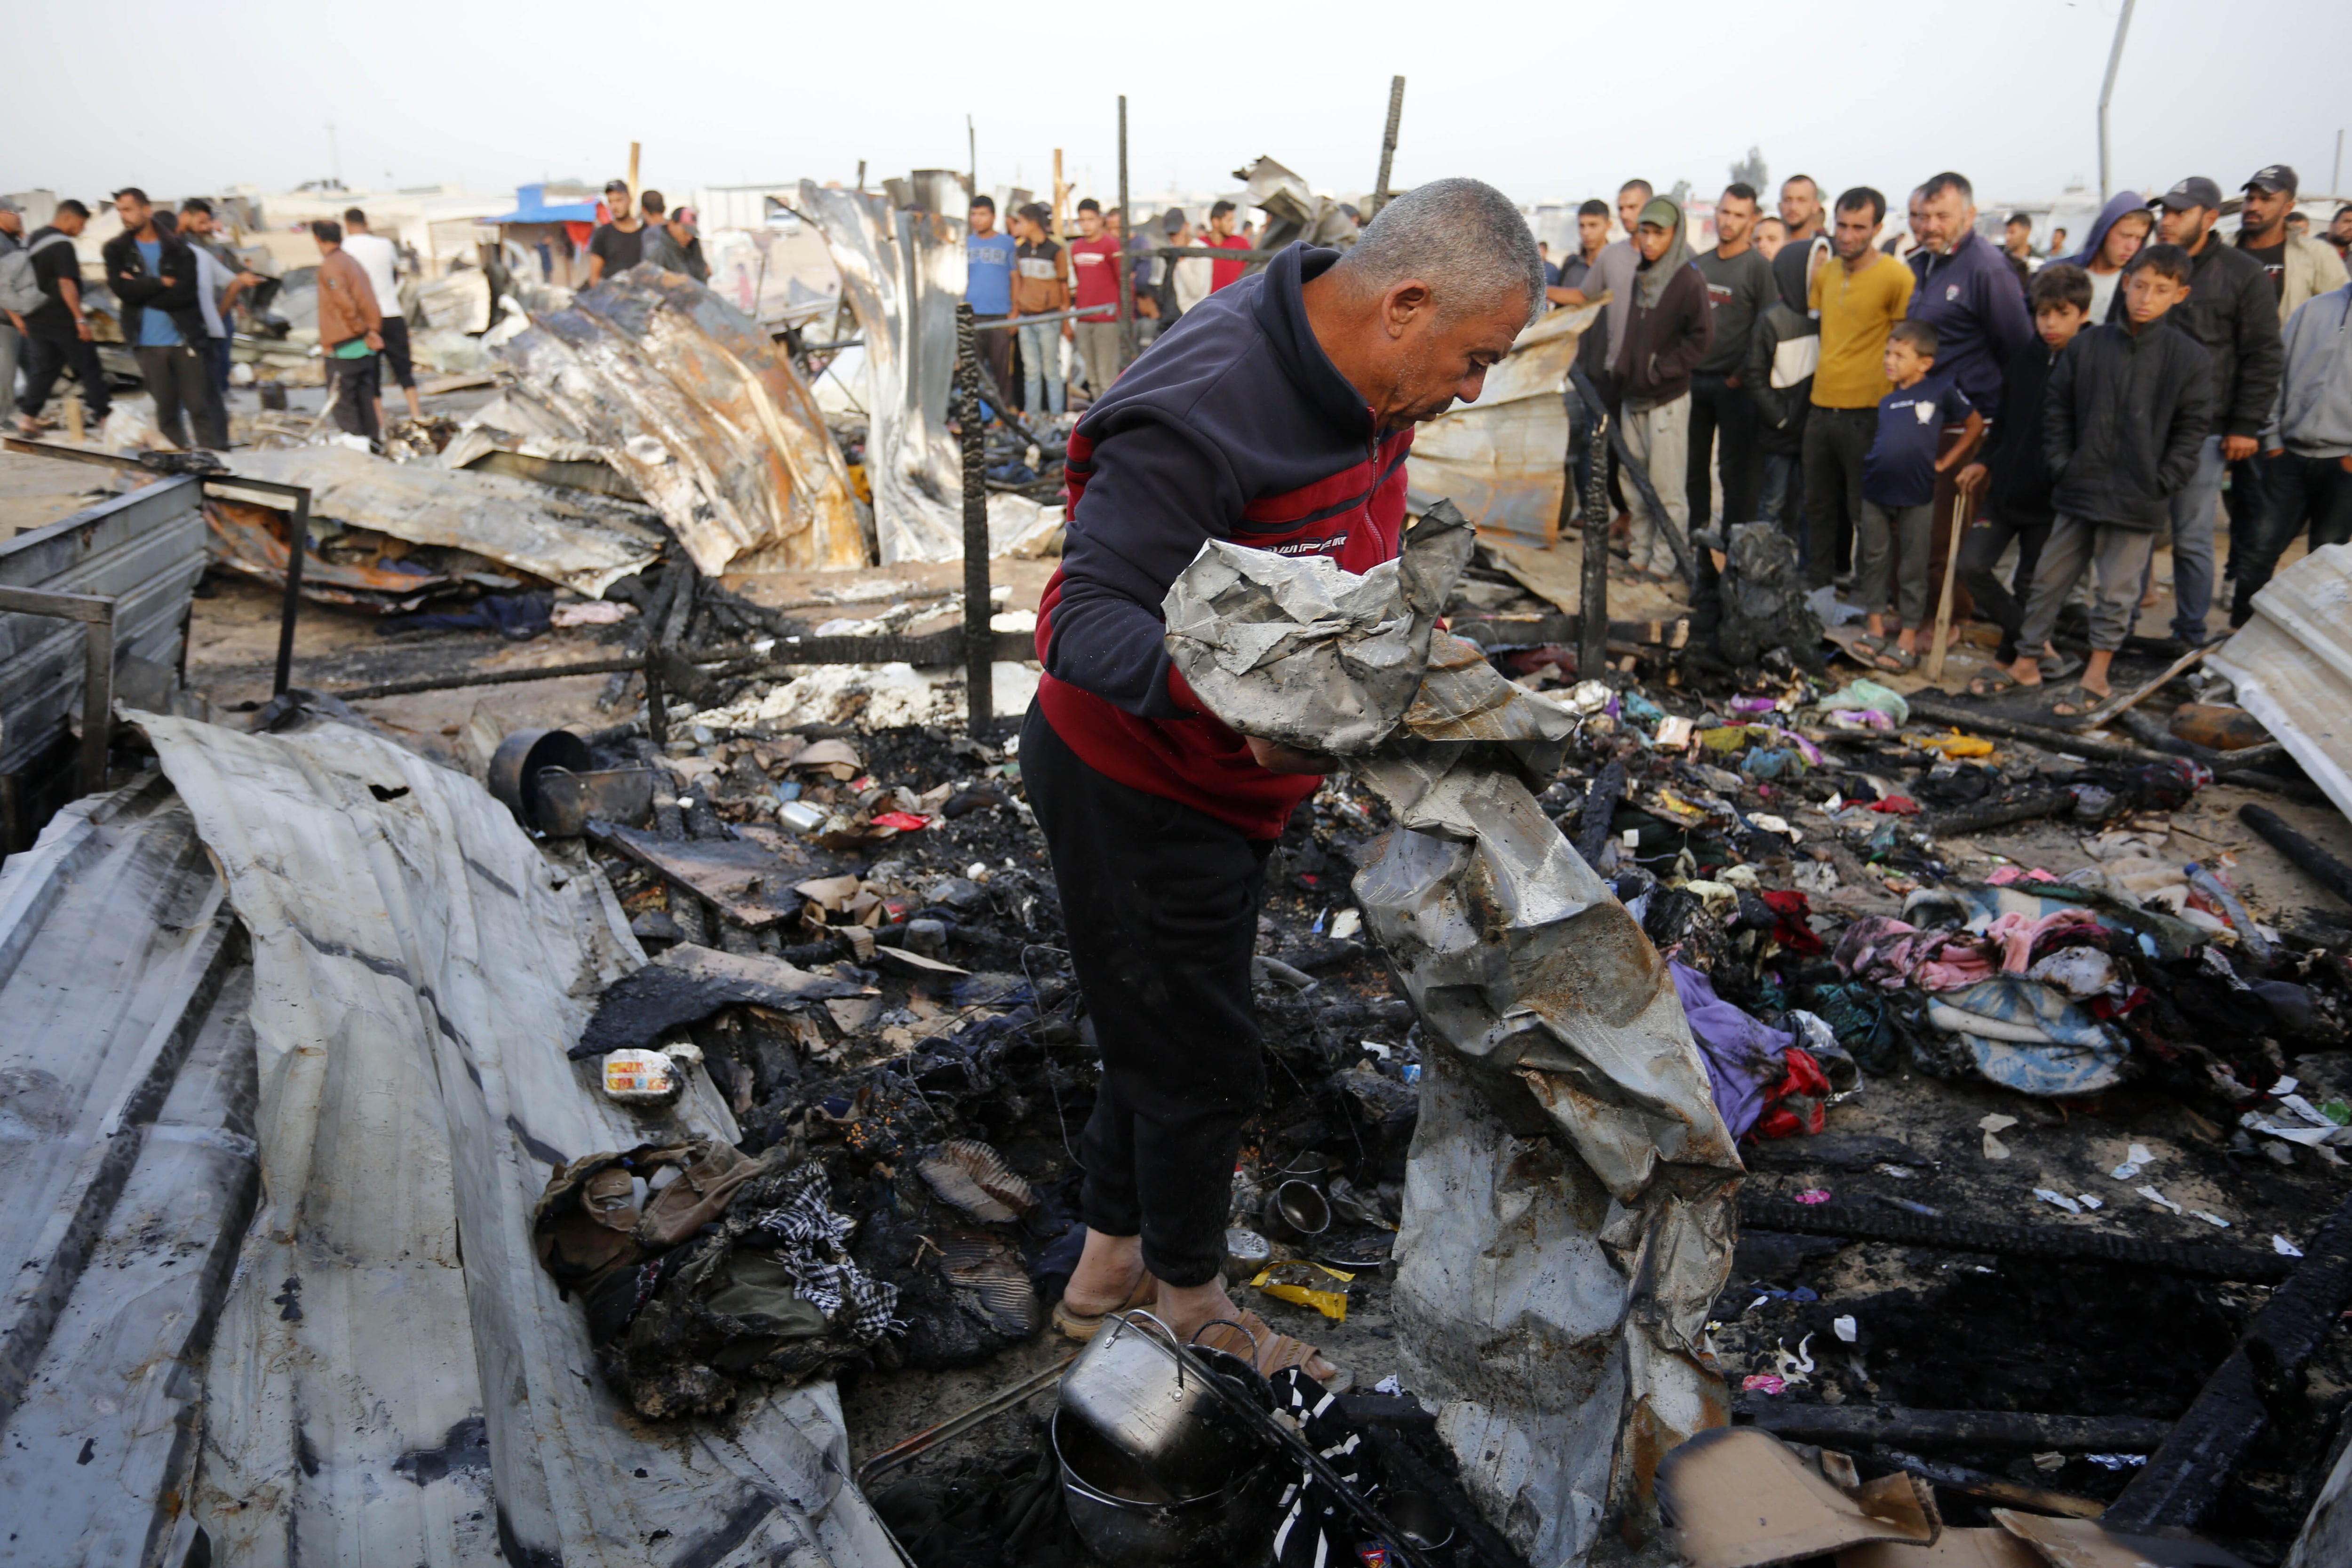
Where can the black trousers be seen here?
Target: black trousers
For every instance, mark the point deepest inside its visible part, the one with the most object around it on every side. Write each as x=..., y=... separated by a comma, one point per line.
x=181, y=383
x=1719, y=411
x=1980, y=552
x=45, y=358
x=354, y=384
x=2295, y=490
x=1837, y=442
x=1161, y=904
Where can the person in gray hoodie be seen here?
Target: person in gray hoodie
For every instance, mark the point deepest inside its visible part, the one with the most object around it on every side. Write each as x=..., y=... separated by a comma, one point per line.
x=2306, y=461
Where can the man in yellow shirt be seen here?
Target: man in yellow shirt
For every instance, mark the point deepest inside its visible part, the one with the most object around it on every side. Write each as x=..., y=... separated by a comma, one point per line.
x=1858, y=296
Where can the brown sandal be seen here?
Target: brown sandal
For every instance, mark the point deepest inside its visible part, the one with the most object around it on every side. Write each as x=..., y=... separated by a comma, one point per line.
x=1252, y=1336
x=1084, y=1326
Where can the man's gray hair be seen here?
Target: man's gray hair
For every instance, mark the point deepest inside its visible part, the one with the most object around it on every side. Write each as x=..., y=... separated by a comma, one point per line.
x=1463, y=237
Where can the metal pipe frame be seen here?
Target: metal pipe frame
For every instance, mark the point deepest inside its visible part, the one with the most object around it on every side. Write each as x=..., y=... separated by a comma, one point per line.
x=96, y=613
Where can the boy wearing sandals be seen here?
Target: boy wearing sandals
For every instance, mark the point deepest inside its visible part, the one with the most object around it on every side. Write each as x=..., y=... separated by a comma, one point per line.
x=1899, y=489
x=2010, y=471
x=2126, y=418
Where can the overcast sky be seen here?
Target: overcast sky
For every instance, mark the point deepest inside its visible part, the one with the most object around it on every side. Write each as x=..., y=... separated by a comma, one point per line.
x=182, y=98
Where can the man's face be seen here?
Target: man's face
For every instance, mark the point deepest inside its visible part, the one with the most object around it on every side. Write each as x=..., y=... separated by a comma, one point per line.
x=2340, y=231
x=2125, y=239
x=2058, y=323
x=1735, y=219
x=1941, y=219
x=1090, y=222
x=1630, y=202
x=1855, y=229
x=618, y=201
x=2148, y=294
x=2184, y=228
x=1221, y=225
x=1771, y=234
x=1434, y=362
x=2264, y=209
x=2018, y=235
x=200, y=225
x=1593, y=230
x=133, y=213
x=1800, y=203
x=984, y=218
x=1915, y=220
x=11, y=223
x=1652, y=239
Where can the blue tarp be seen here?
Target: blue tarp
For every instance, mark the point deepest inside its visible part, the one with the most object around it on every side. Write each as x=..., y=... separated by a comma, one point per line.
x=531, y=206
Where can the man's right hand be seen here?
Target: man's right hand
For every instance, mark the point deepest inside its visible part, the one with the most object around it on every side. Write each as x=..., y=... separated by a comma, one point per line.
x=1972, y=480
x=81, y=330
x=1277, y=758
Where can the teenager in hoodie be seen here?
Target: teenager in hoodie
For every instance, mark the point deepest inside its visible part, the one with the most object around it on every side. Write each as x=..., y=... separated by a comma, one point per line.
x=2123, y=227
x=1669, y=326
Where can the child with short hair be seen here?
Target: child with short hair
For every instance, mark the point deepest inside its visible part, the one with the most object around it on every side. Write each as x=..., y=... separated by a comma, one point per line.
x=2010, y=469
x=1899, y=489
x=2122, y=425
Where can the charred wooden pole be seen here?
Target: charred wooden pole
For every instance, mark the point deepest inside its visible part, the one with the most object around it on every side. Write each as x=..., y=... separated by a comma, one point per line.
x=1593, y=639
x=2316, y=863
x=980, y=652
x=297, y=544
x=1126, y=238
x=1388, y=147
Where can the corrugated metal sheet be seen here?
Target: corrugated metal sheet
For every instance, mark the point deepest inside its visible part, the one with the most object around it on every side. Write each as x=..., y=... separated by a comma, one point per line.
x=2292, y=664
x=690, y=400
x=146, y=549
x=584, y=541
x=383, y=1033
x=1503, y=458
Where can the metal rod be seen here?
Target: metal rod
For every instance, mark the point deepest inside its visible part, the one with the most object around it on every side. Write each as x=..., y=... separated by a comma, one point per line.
x=2107, y=90
x=298, y=542
x=1593, y=601
x=1006, y=323
x=1126, y=238
x=907, y=1450
x=1388, y=146
x=980, y=706
x=97, y=698
x=1994, y=1428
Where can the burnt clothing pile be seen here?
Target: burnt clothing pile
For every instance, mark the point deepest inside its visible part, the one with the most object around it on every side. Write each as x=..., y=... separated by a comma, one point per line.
x=699, y=1265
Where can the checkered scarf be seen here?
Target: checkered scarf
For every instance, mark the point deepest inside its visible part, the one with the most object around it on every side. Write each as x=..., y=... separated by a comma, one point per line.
x=813, y=1245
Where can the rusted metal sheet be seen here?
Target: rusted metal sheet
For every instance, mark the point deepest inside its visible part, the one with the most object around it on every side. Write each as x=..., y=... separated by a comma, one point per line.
x=691, y=403
x=144, y=549
x=251, y=540
x=581, y=541
x=1503, y=460
x=2292, y=664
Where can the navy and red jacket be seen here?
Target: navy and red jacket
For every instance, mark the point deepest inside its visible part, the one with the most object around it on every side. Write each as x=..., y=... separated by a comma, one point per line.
x=1236, y=426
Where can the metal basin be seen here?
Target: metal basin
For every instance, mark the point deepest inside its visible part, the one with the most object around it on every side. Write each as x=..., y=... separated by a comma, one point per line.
x=568, y=801
x=1124, y=1518
x=1297, y=1210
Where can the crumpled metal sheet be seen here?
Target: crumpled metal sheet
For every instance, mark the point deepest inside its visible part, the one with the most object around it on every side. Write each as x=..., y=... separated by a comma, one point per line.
x=2291, y=665
x=1569, y=1210
x=911, y=466
x=1503, y=460
x=375, y=1393
x=690, y=401
x=568, y=537
x=251, y=540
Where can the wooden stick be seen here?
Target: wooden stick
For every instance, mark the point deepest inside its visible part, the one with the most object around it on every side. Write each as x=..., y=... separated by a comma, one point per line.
x=633, y=172
x=1944, y=599
x=2107, y=712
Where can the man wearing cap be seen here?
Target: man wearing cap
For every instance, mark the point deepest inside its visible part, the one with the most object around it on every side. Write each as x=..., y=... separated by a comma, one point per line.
x=619, y=245
x=2232, y=311
x=2299, y=266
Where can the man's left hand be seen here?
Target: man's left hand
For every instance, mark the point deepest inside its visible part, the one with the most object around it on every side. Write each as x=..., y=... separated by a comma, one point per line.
x=1277, y=758
x=2238, y=449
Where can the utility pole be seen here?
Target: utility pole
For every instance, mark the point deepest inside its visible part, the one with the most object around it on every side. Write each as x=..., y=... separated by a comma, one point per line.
x=633, y=173
x=2336, y=180
x=1126, y=234
x=1388, y=147
x=1061, y=199
x=2107, y=90
x=971, y=147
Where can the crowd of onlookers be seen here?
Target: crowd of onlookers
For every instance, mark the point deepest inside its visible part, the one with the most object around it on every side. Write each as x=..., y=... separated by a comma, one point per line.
x=2066, y=411
x=177, y=286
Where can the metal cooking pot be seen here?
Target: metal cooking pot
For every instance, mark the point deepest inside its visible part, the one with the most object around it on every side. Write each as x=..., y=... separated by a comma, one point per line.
x=1158, y=1418
x=1124, y=1518
x=515, y=768
x=1295, y=1210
